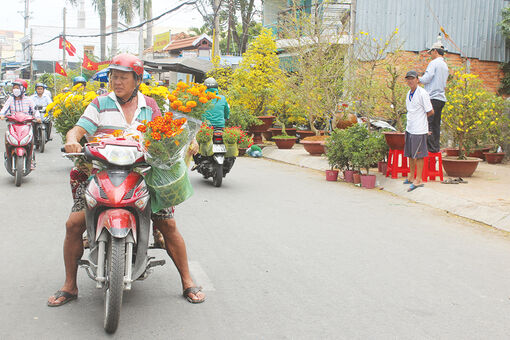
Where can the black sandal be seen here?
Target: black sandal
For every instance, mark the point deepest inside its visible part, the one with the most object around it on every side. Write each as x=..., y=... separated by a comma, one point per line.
x=194, y=291
x=67, y=297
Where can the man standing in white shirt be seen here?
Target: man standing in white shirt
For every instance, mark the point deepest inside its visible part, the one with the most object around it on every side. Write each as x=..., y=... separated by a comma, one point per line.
x=419, y=108
x=434, y=80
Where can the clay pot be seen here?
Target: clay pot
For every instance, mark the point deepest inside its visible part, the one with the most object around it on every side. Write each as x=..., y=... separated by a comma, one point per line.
x=395, y=140
x=455, y=167
x=291, y=131
x=479, y=152
x=347, y=122
x=494, y=157
x=275, y=131
x=452, y=152
x=368, y=181
x=258, y=129
x=356, y=178
x=286, y=143
x=305, y=133
x=242, y=151
x=332, y=175
x=314, y=148
x=348, y=175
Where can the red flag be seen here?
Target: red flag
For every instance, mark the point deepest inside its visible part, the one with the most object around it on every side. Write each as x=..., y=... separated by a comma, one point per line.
x=60, y=70
x=71, y=50
x=88, y=64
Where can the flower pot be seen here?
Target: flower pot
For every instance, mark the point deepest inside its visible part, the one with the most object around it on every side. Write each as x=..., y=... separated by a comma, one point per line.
x=479, y=152
x=286, y=143
x=305, y=133
x=368, y=181
x=494, y=157
x=267, y=135
x=356, y=178
x=348, y=175
x=275, y=131
x=258, y=129
x=332, y=175
x=452, y=152
x=455, y=167
x=291, y=131
x=242, y=151
x=314, y=148
x=395, y=140
x=380, y=166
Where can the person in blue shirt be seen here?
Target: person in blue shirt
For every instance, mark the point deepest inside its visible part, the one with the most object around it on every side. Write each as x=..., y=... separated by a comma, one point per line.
x=220, y=112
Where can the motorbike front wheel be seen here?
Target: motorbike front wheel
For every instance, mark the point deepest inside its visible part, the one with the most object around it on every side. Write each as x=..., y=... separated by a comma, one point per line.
x=42, y=140
x=218, y=175
x=18, y=175
x=115, y=260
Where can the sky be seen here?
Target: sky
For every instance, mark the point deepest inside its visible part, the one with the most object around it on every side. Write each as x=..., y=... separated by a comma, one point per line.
x=43, y=14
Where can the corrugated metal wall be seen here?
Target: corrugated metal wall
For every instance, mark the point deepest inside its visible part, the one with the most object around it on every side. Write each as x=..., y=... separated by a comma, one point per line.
x=471, y=24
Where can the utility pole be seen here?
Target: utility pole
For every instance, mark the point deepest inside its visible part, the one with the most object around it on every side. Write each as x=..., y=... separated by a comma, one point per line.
x=64, y=63
x=216, y=40
x=229, y=32
x=140, y=37
x=31, y=54
x=26, y=16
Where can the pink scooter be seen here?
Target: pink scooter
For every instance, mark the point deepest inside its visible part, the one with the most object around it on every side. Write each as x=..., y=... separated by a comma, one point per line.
x=19, y=145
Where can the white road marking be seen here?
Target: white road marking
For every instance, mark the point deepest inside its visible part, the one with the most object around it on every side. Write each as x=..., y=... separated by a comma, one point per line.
x=200, y=277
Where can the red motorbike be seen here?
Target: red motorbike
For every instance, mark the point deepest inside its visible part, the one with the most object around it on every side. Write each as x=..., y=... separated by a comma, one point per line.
x=19, y=145
x=118, y=217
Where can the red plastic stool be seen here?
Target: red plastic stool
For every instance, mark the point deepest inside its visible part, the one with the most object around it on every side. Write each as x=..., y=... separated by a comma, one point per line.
x=433, y=161
x=393, y=167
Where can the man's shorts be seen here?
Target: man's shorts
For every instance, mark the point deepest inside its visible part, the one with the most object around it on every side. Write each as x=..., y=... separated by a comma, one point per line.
x=79, y=182
x=416, y=146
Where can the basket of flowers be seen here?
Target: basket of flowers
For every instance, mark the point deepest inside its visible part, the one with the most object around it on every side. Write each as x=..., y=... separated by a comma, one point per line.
x=231, y=137
x=204, y=139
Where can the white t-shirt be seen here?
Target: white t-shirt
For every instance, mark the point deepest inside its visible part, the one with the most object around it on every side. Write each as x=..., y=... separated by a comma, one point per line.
x=418, y=105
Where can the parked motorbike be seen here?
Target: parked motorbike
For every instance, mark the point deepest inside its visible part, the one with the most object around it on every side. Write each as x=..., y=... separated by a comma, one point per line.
x=216, y=166
x=19, y=145
x=41, y=135
x=118, y=222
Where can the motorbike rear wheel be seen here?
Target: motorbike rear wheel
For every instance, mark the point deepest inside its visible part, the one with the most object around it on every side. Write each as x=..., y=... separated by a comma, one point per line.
x=218, y=175
x=42, y=140
x=18, y=175
x=115, y=260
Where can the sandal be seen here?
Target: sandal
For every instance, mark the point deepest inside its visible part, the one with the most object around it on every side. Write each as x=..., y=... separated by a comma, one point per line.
x=67, y=297
x=460, y=180
x=412, y=187
x=407, y=182
x=194, y=291
x=451, y=181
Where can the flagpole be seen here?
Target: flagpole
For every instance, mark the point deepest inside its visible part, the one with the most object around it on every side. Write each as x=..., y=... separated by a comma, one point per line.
x=54, y=80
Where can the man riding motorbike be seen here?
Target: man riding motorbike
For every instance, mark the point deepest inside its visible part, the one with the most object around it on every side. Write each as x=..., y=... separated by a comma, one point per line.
x=80, y=80
x=41, y=100
x=123, y=109
x=220, y=112
x=18, y=102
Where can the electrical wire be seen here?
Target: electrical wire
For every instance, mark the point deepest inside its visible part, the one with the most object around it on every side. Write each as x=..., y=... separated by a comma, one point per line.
x=121, y=31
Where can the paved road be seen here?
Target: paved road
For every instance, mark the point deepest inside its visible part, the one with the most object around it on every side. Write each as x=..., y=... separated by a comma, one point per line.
x=282, y=254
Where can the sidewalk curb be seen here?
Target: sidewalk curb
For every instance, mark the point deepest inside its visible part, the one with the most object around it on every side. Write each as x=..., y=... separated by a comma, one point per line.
x=491, y=216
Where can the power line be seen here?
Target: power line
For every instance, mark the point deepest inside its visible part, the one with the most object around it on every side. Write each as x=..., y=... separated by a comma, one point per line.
x=124, y=30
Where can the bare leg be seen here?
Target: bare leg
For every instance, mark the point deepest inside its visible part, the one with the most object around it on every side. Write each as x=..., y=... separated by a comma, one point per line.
x=176, y=249
x=73, y=250
x=412, y=166
x=419, y=171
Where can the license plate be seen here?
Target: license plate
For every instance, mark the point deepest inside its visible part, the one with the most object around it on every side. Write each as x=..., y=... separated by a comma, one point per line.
x=219, y=148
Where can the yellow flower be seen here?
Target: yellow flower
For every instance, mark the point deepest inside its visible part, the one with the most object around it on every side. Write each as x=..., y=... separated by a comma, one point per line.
x=57, y=113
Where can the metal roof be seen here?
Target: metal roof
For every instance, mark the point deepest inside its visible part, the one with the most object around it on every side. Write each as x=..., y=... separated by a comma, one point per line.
x=471, y=24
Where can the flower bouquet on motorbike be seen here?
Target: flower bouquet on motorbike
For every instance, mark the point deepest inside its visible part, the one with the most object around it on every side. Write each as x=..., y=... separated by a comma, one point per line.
x=166, y=140
x=191, y=99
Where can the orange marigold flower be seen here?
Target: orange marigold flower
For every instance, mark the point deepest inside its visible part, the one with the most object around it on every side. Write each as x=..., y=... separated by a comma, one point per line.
x=172, y=98
x=176, y=142
x=156, y=135
x=181, y=108
x=142, y=128
x=147, y=144
x=191, y=104
x=187, y=109
x=203, y=100
x=177, y=103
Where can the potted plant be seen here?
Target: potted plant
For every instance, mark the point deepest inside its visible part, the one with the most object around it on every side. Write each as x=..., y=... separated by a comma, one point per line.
x=354, y=143
x=465, y=120
x=231, y=136
x=498, y=131
x=336, y=154
x=372, y=150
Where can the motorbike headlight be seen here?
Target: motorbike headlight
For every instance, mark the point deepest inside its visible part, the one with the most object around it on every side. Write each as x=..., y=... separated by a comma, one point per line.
x=26, y=139
x=142, y=202
x=91, y=201
x=11, y=139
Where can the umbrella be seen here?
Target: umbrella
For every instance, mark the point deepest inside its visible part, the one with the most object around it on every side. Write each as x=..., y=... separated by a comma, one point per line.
x=102, y=76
